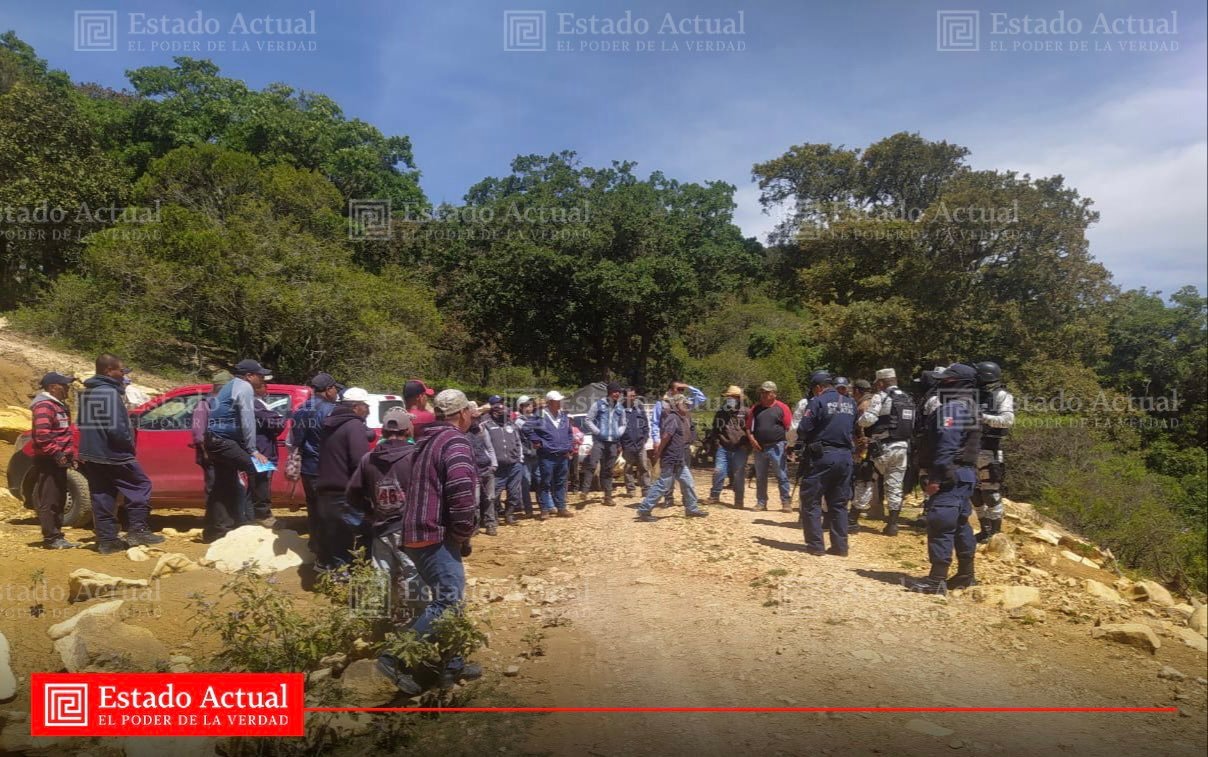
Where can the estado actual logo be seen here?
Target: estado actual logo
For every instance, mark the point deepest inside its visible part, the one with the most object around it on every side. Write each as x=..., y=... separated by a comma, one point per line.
x=113, y=697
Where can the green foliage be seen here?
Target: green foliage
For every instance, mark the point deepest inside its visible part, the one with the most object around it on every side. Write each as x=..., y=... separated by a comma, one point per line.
x=263, y=630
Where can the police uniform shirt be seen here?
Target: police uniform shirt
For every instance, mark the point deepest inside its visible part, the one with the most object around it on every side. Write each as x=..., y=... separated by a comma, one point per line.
x=956, y=421
x=829, y=419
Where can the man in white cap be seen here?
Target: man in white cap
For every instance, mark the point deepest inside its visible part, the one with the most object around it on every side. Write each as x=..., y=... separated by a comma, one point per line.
x=551, y=436
x=889, y=424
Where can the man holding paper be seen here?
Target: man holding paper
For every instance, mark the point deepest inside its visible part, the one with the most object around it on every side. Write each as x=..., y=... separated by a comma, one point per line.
x=269, y=426
x=230, y=444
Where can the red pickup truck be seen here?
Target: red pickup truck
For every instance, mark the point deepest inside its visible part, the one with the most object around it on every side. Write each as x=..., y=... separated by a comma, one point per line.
x=163, y=434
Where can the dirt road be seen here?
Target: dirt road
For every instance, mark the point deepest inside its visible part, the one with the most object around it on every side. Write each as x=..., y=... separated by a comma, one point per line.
x=729, y=611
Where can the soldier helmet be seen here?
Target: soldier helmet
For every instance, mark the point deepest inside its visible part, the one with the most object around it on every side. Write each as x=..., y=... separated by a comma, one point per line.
x=821, y=377
x=958, y=374
x=988, y=373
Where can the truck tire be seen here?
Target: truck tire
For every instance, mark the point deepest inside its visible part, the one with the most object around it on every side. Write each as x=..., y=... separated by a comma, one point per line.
x=77, y=510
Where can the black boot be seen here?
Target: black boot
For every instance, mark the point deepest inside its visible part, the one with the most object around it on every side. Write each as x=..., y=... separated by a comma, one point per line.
x=990, y=526
x=891, y=528
x=964, y=574
x=853, y=522
x=934, y=583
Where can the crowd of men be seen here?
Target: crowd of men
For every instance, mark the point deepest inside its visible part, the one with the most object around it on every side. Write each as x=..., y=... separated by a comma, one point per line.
x=446, y=468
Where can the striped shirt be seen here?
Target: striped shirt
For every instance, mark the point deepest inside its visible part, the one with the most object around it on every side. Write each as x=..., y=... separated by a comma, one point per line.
x=442, y=498
x=52, y=427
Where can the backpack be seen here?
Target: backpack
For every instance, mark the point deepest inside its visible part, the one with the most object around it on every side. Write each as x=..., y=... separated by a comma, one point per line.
x=293, y=465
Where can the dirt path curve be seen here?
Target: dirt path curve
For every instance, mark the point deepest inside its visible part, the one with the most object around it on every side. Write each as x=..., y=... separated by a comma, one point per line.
x=728, y=611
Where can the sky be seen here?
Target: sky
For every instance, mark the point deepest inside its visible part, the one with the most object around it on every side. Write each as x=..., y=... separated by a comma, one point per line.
x=1118, y=107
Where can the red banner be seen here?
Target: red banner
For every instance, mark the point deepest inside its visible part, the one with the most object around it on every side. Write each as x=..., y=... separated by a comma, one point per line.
x=167, y=704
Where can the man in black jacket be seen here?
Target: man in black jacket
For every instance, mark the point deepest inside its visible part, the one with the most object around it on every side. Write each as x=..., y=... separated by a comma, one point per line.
x=508, y=444
x=107, y=457
x=345, y=440
x=269, y=426
x=633, y=444
x=729, y=426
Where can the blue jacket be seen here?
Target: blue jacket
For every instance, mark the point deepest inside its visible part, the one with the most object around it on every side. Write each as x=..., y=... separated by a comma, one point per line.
x=829, y=420
x=104, y=422
x=233, y=414
x=955, y=442
x=307, y=432
x=637, y=428
x=554, y=440
x=606, y=421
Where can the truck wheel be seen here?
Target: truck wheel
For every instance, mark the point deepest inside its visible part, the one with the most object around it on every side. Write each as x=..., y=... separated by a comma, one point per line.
x=77, y=510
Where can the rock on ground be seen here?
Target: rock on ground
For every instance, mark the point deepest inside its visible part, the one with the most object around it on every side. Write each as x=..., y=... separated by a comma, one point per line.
x=263, y=549
x=1198, y=621
x=1001, y=546
x=1009, y=597
x=919, y=725
x=104, y=643
x=59, y=630
x=1102, y=591
x=1133, y=634
x=8, y=682
x=1152, y=592
x=85, y=584
x=364, y=685
x=173, y=563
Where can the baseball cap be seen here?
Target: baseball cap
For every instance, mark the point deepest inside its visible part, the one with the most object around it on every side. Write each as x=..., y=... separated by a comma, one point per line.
x=396, y=419
x=554, y=395
x=732, y=391
x=221, y=378
x=959, y=372
x=494, y=399
x=842, y=381
x=354, y=394
x=767, y=386
x=56, y=378
x=523, y=399
x=449, y=402
x=244, y=367
x=415, y=388
x=820, y=377
x=322, y=382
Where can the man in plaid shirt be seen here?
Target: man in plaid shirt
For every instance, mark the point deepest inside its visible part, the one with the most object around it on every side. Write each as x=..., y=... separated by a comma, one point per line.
x=54, y=452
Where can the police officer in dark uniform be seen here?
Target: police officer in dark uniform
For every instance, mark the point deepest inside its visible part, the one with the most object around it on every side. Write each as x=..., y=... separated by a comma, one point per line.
x=955, y=440
x=825, y=438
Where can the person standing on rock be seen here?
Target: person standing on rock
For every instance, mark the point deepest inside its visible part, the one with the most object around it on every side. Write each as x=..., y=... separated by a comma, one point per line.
x=305, y=436
x=997, y=407
x=54, y=453
x=825, y=438
x=345, y=441
x=672, y=453
x=107, y=456
x=441, y=515
x=767, y=432
x=889, y=424
x=199, y=422
x=730, y=428
x=230, y=445
x=509, y=454
x=633, y=444
x=269, y=426
x=606, y=422
x=551, y=435
x=951, y=474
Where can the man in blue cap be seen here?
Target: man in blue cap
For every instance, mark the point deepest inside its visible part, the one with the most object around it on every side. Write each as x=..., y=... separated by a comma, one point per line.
x=955, y=439
x=825, y=438
x=230, y=445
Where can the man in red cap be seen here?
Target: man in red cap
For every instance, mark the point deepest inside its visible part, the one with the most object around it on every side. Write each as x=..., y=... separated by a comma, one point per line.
x=416, y=394
x=54, y=453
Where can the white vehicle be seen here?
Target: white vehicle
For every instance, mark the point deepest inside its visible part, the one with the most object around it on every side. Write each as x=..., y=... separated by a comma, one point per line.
x=378, y=405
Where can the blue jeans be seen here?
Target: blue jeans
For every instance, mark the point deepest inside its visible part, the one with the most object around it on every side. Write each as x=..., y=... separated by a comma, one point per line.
x=772, y=455
x=668, y=475
x=530, y=483
x=509, y=477
x=732, y=463
x=440, y=568
x=553, y=482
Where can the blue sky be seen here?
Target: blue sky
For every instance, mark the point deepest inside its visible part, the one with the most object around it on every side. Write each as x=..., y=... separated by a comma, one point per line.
x=1126, y=126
